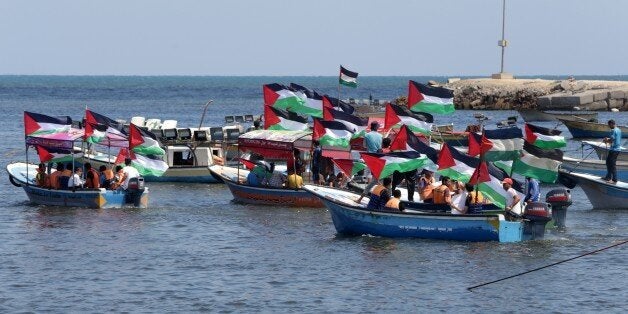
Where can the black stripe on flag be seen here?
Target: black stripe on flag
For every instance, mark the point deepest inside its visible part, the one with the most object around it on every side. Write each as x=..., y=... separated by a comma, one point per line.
x=433, y=91
x=288, y=115
x=542, y=130
x=405, y=112
x=503, y=134
x=308, y=92
x=555, y=154
x=348, y=73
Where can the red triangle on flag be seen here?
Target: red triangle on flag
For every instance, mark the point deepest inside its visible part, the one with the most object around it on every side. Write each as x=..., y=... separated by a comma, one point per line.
x=478, y=146
x=270, y=96
x=44, y=154
x=122, y=155
x=135, y=136
x=374, y=162
x=529, y=135
x=390, y=118
x=445, y=159
x=30, y=125
x=318, y=130
x=327, y=116
x=414, y=95
x=401, y=140
x=480, y=174
x=270, y=118
x=345, y=165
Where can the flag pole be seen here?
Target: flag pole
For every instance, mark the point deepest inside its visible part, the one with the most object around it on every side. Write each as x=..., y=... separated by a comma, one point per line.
x=339, y=73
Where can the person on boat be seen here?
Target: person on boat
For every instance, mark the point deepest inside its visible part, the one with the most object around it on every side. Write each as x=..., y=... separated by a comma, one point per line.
x=474, y=201
x=128, y=173
x=533, y=192
x=614, y=140
x=513, y=204
x=76, y=180
x=117, y=178
x=54, y=177
x=340, y=180
x=297, y=163
x=372, y=144
x=394, y=204
x=410, y=178
x=259, y=174
x=386, y=145
x=106, y=177
x=41, y=178
x=67, y=172
x=442, y=194
x=459, y=202
x=426, y=186
x=255, y=126
x=295, y=181
x=92, y=179
x=317, y=153
x=379, y=195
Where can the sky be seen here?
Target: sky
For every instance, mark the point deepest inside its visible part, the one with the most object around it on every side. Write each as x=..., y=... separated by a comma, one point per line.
x=311, y=38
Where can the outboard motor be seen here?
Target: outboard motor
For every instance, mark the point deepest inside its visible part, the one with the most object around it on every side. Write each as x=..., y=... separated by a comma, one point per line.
x=536, y=215
x=134, y=191
x=559, y=199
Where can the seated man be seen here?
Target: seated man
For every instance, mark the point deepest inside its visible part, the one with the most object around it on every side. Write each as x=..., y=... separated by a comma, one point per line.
x=295, y=181
x=442, y=194
x=92, y=178
x=118, y=178
x=54, y=177
x=41, y=178
x=394, y=203
x=76, y=180
x=379, y=195
x=259, y=174
x=106, y=177
x=129, y=173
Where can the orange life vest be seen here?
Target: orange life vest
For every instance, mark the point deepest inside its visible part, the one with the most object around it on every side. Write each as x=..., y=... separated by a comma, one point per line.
x=476, y=197
x=428, y=191
x=378, y=189
x=441, y=195
x=108, y=174
x=94, y=182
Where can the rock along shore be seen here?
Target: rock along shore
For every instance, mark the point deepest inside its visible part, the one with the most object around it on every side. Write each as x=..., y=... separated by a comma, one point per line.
x=540, y=94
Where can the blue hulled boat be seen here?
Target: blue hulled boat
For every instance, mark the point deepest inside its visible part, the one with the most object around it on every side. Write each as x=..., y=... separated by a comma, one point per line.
x=601, y=194
x=352, y=218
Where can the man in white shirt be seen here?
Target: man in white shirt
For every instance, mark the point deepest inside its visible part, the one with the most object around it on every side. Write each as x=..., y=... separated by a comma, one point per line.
x=514, y=203
x=75, y=180
x=129, y=173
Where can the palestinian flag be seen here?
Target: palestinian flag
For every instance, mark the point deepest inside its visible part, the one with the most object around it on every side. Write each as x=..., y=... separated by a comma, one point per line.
x=543, y=137
x=36, y=124
x=357, y=125
x=275, y=119
x=500, y=144
x=348, y=78
x=406, y=140
x=538, y=163
x=47, y=154
x=349, y=166
x=144, y=142
x=103, y=130
x=281, y=97
x=145, y=165
x=383, y=165
x=505, y=165
x=396, y=116
x=335, y=103
x=455, y=164
x=332, y=133
x=490, y=184
x=312, y=101
x=425, y=98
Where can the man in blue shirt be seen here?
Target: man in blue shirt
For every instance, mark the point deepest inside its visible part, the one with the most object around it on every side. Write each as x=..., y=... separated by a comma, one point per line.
x=373, y=140
x=533, y=192
x=611, y=160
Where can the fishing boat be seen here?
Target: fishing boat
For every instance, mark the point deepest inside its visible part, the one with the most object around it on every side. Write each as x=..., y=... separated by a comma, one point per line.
x=601, y=194
x=273, y=145
x=584, y=129
x=602, y=149
x=352, y=218
x=531, y=115
x=23, y=175
x=594, y=166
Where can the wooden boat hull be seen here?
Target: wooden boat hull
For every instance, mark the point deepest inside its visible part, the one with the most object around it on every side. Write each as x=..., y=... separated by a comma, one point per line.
x=595, y=167
x=456, y=139
x=353, y=219
x=84, y=198
x=601, y=194
x=602, y=150
x=580, y=129
x=259, y=195
x=532, y=115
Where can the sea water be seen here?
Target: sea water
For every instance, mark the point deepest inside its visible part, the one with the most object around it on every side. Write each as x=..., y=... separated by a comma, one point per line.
x=194, y=249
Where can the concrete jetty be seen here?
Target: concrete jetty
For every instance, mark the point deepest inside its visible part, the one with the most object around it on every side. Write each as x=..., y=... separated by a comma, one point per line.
x=571, y=94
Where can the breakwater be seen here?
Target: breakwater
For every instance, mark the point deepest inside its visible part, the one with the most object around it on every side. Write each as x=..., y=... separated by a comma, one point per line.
x=541, y=94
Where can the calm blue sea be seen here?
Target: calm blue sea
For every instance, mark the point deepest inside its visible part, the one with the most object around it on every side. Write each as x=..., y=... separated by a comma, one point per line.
x=195, y=250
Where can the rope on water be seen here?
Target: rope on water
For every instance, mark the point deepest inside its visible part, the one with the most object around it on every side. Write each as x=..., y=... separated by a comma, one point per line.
x=546, y=266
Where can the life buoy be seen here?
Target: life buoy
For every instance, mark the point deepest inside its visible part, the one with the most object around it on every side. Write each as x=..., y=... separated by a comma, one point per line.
x=13, y=181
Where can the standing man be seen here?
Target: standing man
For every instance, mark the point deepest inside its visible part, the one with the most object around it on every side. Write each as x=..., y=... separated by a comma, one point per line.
x=611, y=159
x=317, y=152
x=373, y=140
x=533, y=192
x=513, y=204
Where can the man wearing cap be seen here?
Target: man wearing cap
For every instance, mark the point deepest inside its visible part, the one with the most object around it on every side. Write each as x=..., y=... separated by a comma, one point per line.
x=512, y=204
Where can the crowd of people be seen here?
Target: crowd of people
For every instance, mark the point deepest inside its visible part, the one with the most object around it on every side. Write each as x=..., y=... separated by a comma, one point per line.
x=71, y=177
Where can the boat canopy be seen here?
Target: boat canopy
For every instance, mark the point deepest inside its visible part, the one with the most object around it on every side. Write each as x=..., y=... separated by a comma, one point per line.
x=274, y=143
